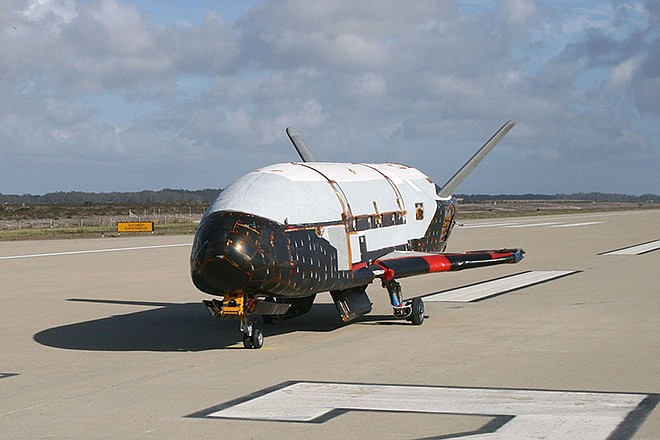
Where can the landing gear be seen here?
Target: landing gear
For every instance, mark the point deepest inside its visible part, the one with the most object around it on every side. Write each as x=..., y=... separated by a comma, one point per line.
x=252, y=336
x=410, y=310
x=238, y=306
x=256, y=340
x=417, y=313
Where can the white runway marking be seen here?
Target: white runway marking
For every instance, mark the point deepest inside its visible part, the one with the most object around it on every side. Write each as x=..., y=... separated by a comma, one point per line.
x=94, y=251
x=571, y=225
x=551, y=220
x=498, y=286
x=489, y=225
x=637, y=250
x=532, y=225
x=521, y=224
x=521, y=413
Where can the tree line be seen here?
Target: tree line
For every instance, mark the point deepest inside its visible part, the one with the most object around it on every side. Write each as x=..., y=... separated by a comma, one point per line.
x=166, y=195
x=575, y=197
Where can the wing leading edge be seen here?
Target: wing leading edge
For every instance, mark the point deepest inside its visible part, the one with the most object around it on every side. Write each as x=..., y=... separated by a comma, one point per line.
x=406, y=264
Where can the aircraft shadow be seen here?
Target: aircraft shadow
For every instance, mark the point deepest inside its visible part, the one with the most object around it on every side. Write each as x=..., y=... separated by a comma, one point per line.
x=173, y=327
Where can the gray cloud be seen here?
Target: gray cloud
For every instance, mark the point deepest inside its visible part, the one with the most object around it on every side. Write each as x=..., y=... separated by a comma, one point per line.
x=646, y=81
x=94, y=96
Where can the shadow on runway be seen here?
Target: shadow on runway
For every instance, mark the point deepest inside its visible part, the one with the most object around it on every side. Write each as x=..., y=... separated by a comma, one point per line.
x=380, y=320
x=173, y=327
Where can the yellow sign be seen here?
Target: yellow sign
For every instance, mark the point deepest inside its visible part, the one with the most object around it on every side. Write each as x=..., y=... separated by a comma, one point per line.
x=135, y=227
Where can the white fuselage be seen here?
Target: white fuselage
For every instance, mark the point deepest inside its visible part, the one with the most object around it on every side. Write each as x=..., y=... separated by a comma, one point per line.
x=387, y=205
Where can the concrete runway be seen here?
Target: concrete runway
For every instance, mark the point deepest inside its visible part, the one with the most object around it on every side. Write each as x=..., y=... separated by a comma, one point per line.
x=108, y=338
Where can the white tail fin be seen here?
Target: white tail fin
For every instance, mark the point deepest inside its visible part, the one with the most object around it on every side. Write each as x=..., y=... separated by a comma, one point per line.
x=449, y=187
x=300, y=145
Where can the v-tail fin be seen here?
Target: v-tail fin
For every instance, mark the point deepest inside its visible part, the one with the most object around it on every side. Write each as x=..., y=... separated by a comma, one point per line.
x=301, y=146
x=449, y=187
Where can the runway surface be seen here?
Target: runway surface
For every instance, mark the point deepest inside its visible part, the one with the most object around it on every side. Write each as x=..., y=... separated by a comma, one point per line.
x=108, y=338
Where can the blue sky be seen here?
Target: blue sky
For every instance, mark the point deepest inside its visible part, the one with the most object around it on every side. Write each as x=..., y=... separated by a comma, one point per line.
x=109, y=95
x=172, y=12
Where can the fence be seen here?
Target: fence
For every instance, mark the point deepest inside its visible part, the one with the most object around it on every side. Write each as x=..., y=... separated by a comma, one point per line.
x=100, y=221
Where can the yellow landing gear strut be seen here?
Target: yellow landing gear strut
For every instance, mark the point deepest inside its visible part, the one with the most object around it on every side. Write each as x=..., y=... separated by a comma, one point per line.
x=238, y=305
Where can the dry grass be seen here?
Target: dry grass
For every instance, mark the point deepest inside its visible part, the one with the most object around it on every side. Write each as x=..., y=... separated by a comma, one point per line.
x=90, y=232
x=93, y=221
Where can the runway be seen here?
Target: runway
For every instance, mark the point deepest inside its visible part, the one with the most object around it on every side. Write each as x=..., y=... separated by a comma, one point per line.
x=107, y=338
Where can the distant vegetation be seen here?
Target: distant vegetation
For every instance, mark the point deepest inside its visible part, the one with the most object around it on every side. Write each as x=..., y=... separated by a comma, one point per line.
x=84, y=214
x=170, y=196
x=143, y=197
x=575, y=197
x=177, y=211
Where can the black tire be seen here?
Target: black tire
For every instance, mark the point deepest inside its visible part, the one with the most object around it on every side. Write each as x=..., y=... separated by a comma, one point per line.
x=257, y=338
x=247, y=342
x=417, y=316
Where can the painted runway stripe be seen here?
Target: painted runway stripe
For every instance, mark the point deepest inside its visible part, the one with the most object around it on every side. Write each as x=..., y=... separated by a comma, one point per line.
x=571, y=225
x=94, y=251
x=518, y=224
x=489, y=225
x=532, y=225
x=498, y=286
x=518, y=413
x=637, y=249
x=552, y=219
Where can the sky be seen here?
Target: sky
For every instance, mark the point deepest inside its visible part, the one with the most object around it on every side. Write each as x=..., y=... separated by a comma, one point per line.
x=111, y=95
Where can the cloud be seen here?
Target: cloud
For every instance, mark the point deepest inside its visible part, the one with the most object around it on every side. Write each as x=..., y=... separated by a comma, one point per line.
x=133, y=103
x=54, y=11
x=646, y=81
x=520, y=12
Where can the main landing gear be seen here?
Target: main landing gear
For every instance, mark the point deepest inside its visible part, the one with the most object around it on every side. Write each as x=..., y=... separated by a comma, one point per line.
x=410, y=310
x=238, y=306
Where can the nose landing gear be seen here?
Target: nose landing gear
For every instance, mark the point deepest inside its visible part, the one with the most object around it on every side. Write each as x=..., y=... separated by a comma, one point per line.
x=252, y=336
x=238, y=306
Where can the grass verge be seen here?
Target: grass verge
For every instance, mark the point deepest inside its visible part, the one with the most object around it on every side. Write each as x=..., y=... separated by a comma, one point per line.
x=90, y=232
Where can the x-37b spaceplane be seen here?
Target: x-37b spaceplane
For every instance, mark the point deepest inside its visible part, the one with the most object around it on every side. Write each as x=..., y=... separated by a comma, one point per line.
x=278, y=236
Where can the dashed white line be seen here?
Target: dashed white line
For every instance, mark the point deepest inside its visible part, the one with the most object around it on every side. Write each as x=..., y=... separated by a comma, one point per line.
x=572, y=225
x=532, y=225
x=489, y=225
x=94, y=251
x=519, y=224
